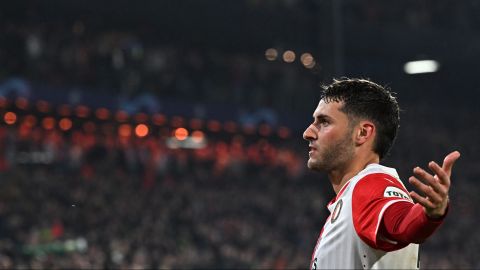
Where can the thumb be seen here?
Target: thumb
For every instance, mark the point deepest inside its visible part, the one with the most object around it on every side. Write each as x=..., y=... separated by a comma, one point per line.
x=449, y=161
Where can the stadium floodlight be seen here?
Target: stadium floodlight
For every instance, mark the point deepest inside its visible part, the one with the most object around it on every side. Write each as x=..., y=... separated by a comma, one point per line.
x=421, y=66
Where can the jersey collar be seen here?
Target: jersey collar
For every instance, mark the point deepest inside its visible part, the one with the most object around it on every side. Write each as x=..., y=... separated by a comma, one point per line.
x=339, y=193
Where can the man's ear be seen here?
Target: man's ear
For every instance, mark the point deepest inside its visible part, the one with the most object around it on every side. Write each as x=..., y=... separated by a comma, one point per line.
x=365, y=132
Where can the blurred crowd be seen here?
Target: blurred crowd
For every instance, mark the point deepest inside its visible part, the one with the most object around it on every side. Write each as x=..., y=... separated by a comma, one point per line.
x=138, y=204
x=91, y=199
x=81, y=53
x=125, y=63
x=79, y=199
x=427, y=14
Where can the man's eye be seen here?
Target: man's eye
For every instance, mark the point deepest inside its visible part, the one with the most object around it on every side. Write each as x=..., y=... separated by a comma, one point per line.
x=324, y=123
x=321, y=123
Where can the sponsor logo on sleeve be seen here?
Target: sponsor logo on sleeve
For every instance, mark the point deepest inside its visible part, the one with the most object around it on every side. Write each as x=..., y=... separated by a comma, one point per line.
x=396, y=192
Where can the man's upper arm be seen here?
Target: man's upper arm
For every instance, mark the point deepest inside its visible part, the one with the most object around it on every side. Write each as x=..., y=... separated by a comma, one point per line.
x=372, y=195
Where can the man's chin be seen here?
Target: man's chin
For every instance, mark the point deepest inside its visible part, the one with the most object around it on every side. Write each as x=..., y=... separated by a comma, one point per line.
x=315, y=166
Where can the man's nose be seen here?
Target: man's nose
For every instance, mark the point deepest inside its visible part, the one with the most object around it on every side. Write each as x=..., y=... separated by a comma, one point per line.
x=310, y=133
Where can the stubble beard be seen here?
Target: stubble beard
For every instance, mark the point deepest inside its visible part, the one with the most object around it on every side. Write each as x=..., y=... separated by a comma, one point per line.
x=334, y=156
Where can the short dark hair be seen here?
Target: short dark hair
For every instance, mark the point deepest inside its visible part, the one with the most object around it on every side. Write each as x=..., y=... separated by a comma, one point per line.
x=364, y=99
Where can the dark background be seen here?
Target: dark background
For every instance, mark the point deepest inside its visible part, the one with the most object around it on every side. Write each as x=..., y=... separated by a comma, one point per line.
x=88, y=197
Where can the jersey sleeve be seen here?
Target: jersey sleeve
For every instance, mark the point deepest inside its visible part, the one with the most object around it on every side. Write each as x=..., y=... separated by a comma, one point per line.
x=372, y=195
x=408, y=224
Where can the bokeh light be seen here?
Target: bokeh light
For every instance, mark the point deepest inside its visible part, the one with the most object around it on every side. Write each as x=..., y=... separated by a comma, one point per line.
x=82, y=111
x=198, y=136
x=125, y=130
x=141, y=130
x=65, y=124
x=289, y=56
x=48, y=123
x=181, y=134
x=10, y=118
x=102, y=113
x=271, y=54
x=307, y=60
x=29, y=120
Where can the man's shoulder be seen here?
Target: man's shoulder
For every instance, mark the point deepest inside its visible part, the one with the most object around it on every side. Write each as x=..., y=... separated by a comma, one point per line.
x=375, y=168
x=380, y=181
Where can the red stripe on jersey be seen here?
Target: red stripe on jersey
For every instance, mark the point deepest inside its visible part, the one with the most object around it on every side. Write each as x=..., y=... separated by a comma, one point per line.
x=369, y=201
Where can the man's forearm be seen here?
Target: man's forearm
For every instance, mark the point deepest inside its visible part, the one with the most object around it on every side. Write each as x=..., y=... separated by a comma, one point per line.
x=407, y=223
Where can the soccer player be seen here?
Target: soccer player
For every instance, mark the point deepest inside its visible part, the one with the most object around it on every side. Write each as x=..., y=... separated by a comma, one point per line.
x=373, y=222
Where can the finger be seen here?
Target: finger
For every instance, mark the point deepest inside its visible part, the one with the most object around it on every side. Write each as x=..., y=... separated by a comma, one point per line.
x=442, y=176
x=429, y=179
x=421, y=200
x=433, y=196
x=449, y=161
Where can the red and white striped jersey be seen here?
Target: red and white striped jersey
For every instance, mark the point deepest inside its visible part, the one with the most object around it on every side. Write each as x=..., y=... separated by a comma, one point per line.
x=350, y=239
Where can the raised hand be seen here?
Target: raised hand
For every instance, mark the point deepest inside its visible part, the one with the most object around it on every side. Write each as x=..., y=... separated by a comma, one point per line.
x=434, y=187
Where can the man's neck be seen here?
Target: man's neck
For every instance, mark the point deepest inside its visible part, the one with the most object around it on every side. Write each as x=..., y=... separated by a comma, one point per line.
x=339, y=177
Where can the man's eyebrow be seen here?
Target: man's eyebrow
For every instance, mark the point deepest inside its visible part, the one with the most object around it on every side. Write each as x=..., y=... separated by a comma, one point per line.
x=321, y=116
